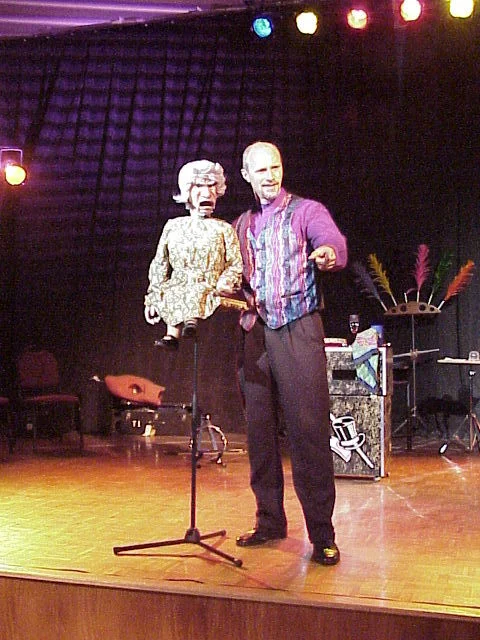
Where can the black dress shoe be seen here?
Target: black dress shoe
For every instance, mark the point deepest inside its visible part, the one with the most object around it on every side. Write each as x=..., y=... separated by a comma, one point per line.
x=256, y=537
x=167, y=342
x=327, y=554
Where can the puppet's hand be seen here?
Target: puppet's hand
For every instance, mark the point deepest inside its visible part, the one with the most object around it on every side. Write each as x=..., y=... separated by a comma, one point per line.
x=225, y=287
x=151, y=315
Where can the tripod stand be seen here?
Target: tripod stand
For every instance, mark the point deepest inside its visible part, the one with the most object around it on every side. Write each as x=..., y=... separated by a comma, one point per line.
x=412, y=309
x=192, y=535
x=471, y=418
x=473, y=424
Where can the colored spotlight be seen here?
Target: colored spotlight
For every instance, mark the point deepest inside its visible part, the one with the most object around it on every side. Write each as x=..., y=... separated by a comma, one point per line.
x=461, y=8
x=307, y=22
x=411, y=10
x=262, y=26
x=15, y=175
x=357, y=19
x=11, y=166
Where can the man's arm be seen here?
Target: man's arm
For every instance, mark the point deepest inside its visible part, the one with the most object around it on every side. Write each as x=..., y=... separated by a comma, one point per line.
x=330, y=245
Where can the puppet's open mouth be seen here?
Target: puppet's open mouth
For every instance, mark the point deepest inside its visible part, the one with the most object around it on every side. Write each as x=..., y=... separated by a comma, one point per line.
x=206, y=203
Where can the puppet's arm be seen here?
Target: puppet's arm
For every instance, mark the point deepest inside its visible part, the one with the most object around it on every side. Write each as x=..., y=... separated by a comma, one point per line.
x=158, y=273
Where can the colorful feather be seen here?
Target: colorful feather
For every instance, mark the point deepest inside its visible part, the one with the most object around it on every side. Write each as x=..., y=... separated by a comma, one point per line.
x=460, y=282
x=422, y=267
x=366, y=283
x=441, y=272
x=380, y=276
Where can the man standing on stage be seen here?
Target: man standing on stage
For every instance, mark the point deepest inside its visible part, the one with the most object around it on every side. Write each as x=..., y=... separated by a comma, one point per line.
x=282, y=359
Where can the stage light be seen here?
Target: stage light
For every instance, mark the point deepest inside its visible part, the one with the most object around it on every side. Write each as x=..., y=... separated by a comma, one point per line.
x=15, y=174
x=11, y=166
x=411, y=10
x=262, y=26
x=461, y=8
x=357, y=18
x=307, y=22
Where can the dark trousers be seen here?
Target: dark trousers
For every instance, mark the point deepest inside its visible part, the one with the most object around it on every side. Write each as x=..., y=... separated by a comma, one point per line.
x=283, y=373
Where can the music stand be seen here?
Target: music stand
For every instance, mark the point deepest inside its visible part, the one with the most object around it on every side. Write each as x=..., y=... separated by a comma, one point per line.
x=412, y=309
x=192, y=535
x=471, y=418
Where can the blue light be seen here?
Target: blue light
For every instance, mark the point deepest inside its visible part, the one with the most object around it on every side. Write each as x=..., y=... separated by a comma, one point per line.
x=262, y=26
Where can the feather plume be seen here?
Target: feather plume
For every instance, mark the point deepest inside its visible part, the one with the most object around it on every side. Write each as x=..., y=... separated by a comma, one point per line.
x=422, y=267
x=460, y=282
x=441, y=272
x=363, y=278
x=380, y=276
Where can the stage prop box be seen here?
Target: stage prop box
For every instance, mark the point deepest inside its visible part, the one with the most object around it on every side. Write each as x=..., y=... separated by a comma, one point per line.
x=360, y=418
x=165, y=420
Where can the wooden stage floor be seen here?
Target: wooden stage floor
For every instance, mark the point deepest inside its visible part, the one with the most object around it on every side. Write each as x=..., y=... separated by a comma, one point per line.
x=410, y=547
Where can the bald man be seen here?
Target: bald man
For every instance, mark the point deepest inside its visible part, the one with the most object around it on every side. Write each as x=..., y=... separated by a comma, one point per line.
x=286, y=242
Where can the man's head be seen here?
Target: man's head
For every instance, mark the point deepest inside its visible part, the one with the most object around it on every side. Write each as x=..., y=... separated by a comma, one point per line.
x=263, y=169
x=200, y=182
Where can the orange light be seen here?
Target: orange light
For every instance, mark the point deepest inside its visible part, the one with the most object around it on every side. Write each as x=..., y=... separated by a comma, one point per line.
x=357, y=18
x=15, y=175
x=11, y=166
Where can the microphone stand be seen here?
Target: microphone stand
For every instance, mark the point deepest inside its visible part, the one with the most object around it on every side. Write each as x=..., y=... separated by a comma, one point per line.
x=192, y=535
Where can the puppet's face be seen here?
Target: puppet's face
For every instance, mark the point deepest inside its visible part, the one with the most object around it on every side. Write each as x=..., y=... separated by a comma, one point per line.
x=203, y=197
x=264, y=172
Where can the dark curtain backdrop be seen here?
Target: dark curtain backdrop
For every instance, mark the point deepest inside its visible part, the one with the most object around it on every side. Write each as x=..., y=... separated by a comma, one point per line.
x=383, y=127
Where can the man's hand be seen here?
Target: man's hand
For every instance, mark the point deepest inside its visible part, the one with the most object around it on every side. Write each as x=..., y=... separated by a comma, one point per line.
x=325, y=257
x=151, y=315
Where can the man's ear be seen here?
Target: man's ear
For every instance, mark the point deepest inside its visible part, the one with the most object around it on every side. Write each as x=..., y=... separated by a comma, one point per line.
x=245, y=175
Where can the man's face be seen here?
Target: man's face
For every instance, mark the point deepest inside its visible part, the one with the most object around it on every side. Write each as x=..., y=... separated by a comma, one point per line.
x=264, y=172
x=203, y=198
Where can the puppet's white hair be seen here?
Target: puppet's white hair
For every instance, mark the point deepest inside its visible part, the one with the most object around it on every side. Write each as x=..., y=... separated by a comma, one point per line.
x=203, y=170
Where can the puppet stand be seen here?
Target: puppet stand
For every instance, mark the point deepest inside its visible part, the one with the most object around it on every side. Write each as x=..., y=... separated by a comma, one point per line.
x=192, y=535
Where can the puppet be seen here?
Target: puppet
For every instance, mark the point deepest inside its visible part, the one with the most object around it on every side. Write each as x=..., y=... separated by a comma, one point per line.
x=198, y=257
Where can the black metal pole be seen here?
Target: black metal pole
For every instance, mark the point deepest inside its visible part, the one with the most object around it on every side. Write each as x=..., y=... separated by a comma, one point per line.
x=194, y=451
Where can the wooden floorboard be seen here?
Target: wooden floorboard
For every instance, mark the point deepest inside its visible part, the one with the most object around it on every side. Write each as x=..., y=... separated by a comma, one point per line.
x=410, y=547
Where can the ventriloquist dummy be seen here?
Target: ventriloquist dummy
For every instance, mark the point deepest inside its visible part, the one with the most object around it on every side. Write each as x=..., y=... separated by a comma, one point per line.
x=198, y=257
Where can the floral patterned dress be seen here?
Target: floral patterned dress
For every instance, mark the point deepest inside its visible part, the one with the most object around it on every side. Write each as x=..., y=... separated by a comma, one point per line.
x=193, y=256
